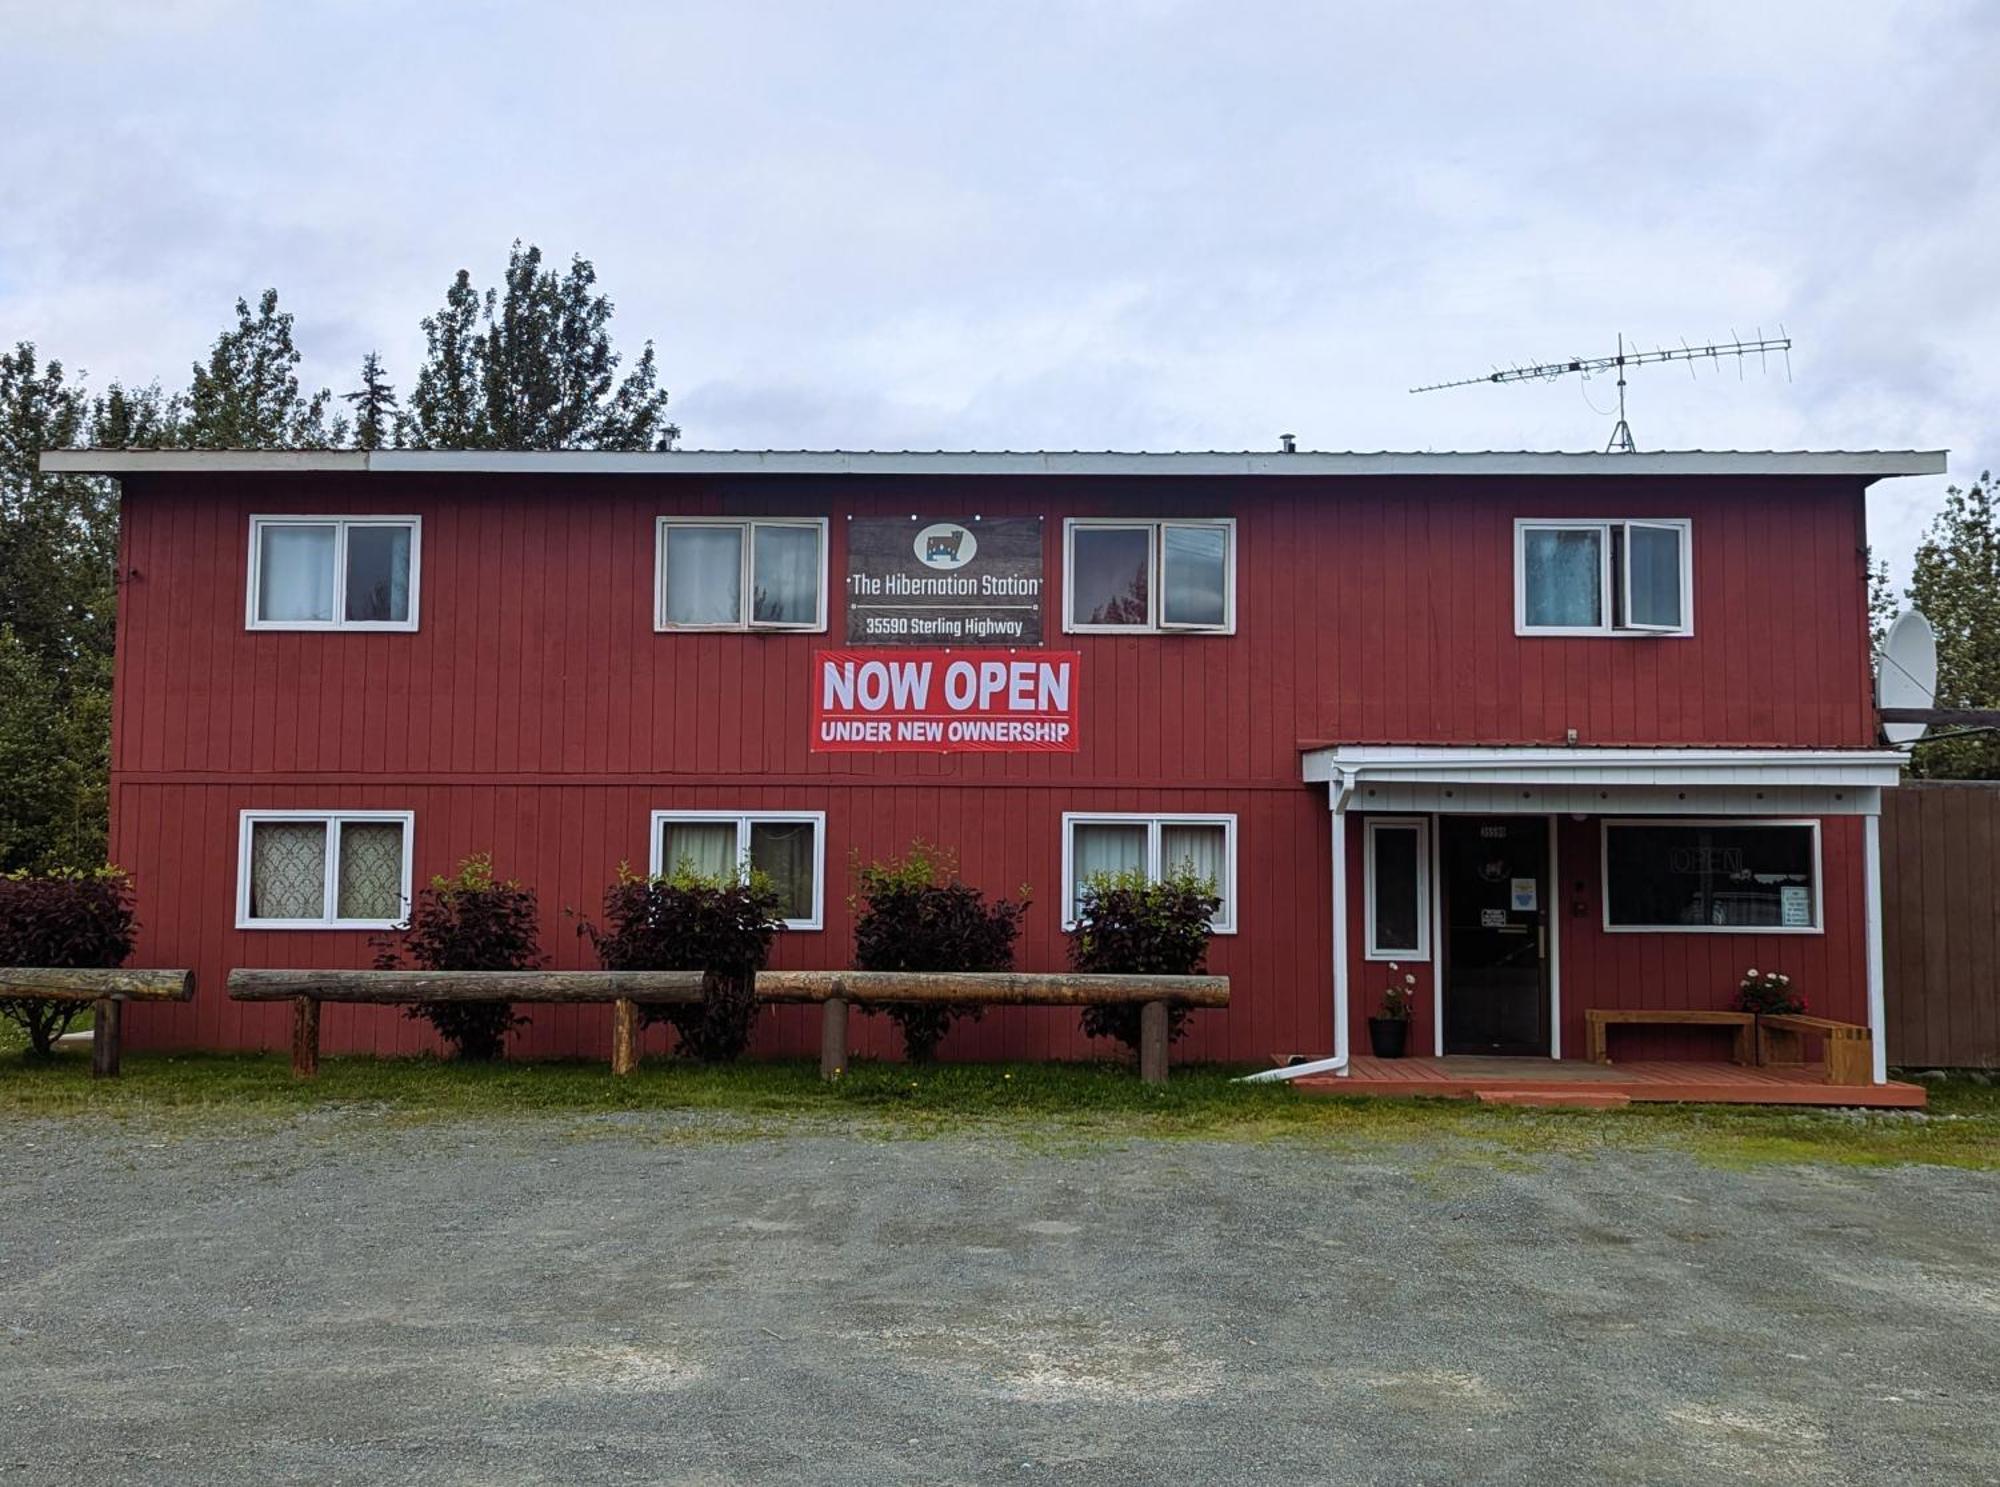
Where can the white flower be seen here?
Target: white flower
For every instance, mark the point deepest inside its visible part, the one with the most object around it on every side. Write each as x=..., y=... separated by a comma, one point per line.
x=1784, y=980
x=1409, y=978
x=1394, y=967
x=1752, y=972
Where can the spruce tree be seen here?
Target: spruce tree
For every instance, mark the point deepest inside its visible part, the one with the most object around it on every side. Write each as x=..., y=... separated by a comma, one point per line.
x=376, y=416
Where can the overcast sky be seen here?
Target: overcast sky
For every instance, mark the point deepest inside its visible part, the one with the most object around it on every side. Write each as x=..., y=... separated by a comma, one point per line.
x=1071, y=225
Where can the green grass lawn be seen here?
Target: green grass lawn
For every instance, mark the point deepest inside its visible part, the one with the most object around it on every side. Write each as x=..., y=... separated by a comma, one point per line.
x=1044, y=1103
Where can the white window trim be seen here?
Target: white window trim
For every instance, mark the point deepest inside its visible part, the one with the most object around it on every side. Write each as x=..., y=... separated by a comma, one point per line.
x=1602, y=526
x=748, y=526
x=340, y=524
x=1155, y=527
x=1225, y=920
x=744, y=821
x=332, y=821
x=1420, y=827
x=1818, y=926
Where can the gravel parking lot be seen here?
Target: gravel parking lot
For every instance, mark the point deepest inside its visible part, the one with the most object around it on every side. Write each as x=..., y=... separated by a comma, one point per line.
x=663, y=1298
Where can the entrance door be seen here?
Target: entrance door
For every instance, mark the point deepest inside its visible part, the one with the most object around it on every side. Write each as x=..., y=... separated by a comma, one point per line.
x=1496, y=897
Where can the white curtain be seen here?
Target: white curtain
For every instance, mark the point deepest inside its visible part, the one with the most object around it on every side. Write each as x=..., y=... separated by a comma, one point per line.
x=378, y=573
x=783, y=851
x=1564, y=576
x=708, y=847
x=288, y=870
x=371, y=870
x=1194, y=572
x=1104, y=848
x=295, y=573
x=785, y=576
x=1205, y=849
x=704, y=575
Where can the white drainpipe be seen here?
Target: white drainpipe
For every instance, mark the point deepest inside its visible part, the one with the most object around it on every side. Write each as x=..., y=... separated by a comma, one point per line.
x=1341, y=789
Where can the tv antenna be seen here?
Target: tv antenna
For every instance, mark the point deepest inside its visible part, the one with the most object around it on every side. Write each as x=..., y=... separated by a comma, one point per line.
x=1588, y=366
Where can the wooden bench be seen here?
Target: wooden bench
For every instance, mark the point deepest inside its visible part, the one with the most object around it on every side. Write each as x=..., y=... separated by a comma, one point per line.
x=1850, y=1047
x=1598, y=1020
x=107, y=989
x=833, y=991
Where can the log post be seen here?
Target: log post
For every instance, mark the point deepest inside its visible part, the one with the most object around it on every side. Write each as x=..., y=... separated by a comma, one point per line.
x=305, y=1037
x=624, y=1036
x=107, y=1029
x=1153, y=1042
x=833, y=1038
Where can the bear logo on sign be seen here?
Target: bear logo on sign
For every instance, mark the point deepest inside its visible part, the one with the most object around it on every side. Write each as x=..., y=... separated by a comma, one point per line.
x=946, y=545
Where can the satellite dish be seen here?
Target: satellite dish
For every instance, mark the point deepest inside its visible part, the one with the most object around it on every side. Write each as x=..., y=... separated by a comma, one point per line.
x=1906, y=672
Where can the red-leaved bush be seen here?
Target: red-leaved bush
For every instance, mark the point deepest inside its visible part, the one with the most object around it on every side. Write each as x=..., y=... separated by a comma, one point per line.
x=62, y=920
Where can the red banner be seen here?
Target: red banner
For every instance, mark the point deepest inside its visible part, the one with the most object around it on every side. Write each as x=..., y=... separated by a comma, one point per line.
x=946, y=702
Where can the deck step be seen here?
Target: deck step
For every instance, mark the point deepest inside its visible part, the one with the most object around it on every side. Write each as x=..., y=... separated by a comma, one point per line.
x=1572, y=1099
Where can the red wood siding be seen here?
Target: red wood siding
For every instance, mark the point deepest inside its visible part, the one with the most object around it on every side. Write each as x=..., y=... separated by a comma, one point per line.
x=538, y=715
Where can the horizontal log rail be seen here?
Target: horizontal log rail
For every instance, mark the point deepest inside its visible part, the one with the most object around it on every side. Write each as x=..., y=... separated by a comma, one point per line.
x=108, y=988
x=833, y=991
x=992, y=988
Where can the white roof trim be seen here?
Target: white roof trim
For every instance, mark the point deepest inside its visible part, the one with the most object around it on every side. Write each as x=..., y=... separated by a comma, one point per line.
x=1598, y=768
x=1873, y=464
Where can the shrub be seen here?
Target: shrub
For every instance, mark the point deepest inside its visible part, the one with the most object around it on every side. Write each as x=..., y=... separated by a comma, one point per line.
x=62, y=919
x=688, y=921
x=915, y=915
x=1130, y=926
x=470, y=921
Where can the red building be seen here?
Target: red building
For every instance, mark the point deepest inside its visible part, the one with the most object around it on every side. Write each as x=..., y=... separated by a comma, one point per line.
x=1544, y=731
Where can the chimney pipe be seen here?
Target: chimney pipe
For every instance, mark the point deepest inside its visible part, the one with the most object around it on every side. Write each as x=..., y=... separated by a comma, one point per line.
x=1289, y=443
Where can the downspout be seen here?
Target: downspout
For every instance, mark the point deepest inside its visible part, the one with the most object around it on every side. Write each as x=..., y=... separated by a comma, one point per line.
x=1340, y=792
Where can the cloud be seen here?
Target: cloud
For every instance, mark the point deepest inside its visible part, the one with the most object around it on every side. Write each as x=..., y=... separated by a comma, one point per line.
x=1147, y=224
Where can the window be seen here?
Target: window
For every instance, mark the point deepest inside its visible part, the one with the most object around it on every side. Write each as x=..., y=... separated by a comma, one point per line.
x=741, y=575
x=1397, y=889
x=1603, y=578
x=788, y=847
x=334, y=572
x=323, y=869
x=1149, y=575
x=1712, y=876
x=1154, y=845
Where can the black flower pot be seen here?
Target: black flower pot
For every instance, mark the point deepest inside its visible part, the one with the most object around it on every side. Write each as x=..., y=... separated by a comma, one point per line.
x=1388, y=1036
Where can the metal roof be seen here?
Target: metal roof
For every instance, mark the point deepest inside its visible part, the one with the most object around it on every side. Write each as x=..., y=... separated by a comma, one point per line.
x=1871, y=463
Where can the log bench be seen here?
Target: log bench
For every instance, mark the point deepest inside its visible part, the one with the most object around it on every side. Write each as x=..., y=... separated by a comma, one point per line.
x=1850, y=1047
x=835, y=992
x=107, y=989
x=1597, y=1021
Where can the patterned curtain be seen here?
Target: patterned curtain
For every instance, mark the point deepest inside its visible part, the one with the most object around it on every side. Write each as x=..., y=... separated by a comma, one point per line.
x=708, y=847
x=1105, y=849
x=287, y=870
x=783, y=851
x=371, y=870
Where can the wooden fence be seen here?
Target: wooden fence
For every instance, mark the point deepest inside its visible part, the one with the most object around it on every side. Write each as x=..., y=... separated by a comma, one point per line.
x=1941, y=924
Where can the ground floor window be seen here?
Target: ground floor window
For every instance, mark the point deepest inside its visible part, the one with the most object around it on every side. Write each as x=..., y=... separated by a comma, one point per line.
x=1397, y=888
x=1712, y=876
x=1154, y=845
x=323, y=869
x=789, y=847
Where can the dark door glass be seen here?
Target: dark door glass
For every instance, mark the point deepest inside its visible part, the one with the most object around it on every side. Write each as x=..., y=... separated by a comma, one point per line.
x=1495, y=899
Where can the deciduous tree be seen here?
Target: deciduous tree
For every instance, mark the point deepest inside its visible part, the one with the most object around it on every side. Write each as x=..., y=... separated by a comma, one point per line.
x=1956, y=583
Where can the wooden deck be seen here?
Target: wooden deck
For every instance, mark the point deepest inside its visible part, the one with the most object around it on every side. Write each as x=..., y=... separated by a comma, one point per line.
x=1576, y=1082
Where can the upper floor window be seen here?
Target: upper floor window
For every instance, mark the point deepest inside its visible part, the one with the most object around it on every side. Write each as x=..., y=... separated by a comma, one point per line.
x=334, y=572
x=1157, y=846
x=323, y=869
x=788, y=847
x=1603, y=577
x=731, y=574
x=1121, y=575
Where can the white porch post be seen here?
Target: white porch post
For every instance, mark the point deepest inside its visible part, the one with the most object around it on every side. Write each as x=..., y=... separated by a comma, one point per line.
x=1871, y=889
x=1342, y=785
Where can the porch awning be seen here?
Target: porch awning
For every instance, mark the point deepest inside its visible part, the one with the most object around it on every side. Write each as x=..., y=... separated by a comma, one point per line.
x=1493, y=780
